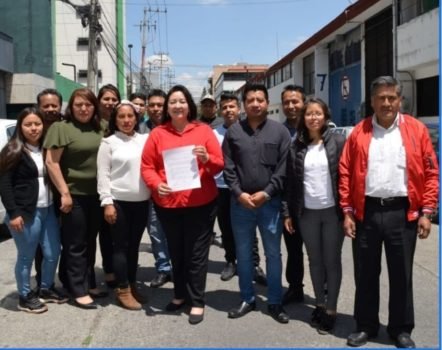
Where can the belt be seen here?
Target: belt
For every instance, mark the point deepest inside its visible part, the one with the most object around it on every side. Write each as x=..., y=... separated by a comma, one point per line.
x=387, y=202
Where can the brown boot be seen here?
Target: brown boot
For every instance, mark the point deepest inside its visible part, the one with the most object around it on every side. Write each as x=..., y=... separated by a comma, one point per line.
x=137, y=295
x=126, y=299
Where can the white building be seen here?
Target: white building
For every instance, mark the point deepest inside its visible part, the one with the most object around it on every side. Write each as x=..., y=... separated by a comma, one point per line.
x=72, y=39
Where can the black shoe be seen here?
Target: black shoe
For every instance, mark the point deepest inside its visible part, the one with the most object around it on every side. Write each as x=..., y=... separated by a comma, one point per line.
x=99, y=294
x=404, y=341
x=327, y=323
x=243, y=309
x=30, y=303
x=278, y=313
x=160, y=279
x=357, y=339
x=228, y=272
x=316, y=317
x=171, y=307
x=293, y=295
x=90, y=306
x=52, y=295
x=195, y=319
x=260, y=276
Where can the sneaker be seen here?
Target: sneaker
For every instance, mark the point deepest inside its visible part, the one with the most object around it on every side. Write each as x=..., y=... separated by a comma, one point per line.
x=316, y=317
x=31, y=304
x=52, y=295
x=228, y=272
x=327, y=323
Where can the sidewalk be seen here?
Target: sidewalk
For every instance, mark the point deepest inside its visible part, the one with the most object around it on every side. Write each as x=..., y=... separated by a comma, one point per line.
x=111, y=326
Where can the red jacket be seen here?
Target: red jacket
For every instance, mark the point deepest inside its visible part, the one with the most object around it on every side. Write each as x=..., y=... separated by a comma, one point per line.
x=165, y=137
x=421, y=166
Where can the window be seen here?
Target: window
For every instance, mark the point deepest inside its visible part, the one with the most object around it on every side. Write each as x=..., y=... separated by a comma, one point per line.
x=84, y=42
x=82, y=74
x=409, y=9
x=309, y=74
x=287, y=72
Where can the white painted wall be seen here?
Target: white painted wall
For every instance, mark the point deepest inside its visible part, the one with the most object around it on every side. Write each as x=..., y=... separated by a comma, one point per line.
x=418, y=43
x=69, y=29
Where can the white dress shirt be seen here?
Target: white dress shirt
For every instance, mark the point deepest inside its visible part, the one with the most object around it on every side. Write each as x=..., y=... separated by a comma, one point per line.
x=386, y=173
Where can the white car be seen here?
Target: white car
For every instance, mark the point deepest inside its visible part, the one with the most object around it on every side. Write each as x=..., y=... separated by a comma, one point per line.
x=7, y=128
x=343, y=130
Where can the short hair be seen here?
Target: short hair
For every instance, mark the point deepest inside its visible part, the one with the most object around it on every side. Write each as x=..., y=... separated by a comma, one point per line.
x=49, y=92
x=302, y=129
x=157, y=93
x=226, y=96
x=385, y=80
x=190, y=102
x=88, y=95
x=113, y=117
x=109, y=87
x=292, y=87
x=255, y=87
x=137, y=94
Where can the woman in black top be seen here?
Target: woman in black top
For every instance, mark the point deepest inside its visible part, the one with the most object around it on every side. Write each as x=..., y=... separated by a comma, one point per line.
x=30, y=213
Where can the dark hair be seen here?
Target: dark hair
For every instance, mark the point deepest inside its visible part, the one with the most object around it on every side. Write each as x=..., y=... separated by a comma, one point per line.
x=135, y=95
x=225, y=96
x=113, y=117
x=11, y=152
x=254, y=87
x=385, y=80
x=292, y=87
x=303, y=133
x=156, y=92
x=49, y=92
x=188, y=96
x=111, y=88
x=88, y=95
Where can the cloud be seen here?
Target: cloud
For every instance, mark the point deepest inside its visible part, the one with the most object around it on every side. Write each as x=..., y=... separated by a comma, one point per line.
x=194, y=81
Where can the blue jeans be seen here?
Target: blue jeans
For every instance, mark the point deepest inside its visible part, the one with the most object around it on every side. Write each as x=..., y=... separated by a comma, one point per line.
x=43, y=229
x=158, y=239
x=244, y=223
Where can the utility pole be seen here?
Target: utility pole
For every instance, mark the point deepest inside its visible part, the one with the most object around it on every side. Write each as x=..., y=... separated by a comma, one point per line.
x=92, y=66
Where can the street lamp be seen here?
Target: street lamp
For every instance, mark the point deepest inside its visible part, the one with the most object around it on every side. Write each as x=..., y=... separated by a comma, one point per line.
x=130, y=46
x=73, y=66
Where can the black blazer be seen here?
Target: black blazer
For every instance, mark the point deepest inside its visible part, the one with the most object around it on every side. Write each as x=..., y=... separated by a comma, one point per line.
x=294, y=194
x=19, y=188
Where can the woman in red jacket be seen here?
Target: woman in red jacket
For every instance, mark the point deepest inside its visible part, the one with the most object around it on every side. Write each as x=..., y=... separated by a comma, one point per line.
x=186, y=215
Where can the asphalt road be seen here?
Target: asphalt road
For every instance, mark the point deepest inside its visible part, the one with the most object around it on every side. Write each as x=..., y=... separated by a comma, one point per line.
x=111, y=326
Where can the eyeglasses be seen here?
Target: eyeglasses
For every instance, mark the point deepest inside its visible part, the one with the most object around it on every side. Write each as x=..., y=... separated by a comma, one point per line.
x=314, y=114
x=85, y=105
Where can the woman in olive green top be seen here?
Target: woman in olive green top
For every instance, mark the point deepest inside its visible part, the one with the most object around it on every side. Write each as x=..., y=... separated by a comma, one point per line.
x=71, y=160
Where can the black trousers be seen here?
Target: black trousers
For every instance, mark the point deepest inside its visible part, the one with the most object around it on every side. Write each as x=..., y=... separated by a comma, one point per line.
x=294, y=271
x=225, y=225
x=105, y=241
x=126, y=237
x=188, y=232
x=388, y=227
x=79, y=230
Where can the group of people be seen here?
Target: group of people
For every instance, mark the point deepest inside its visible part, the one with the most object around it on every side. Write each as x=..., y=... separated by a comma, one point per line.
x=104, y=168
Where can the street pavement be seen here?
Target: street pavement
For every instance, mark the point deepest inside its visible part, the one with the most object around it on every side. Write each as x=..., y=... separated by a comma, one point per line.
x=111, y=326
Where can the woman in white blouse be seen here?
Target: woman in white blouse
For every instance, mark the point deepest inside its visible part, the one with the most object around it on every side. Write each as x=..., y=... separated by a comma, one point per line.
x=124, y=197
x=312, y=201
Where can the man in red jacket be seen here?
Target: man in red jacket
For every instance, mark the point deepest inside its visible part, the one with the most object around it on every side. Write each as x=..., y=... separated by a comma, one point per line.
x=388, y=190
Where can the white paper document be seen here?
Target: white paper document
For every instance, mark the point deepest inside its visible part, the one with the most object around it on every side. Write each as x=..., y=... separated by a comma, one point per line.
x=181, y=168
